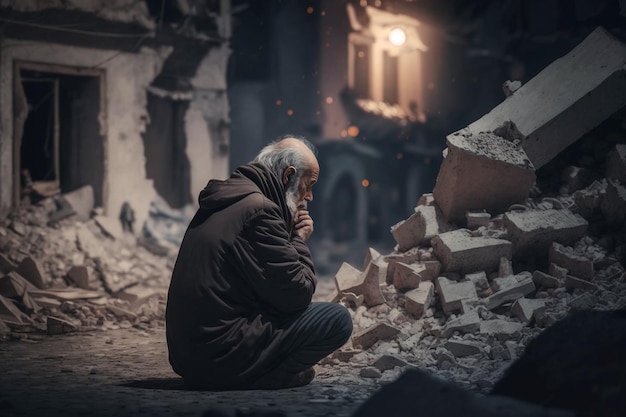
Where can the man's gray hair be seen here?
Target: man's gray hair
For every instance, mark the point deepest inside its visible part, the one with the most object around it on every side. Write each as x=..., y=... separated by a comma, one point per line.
x=277, y=159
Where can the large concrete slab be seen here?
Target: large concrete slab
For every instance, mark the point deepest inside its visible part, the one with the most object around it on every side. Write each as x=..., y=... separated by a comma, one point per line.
x=552, y=111
x=481, y=171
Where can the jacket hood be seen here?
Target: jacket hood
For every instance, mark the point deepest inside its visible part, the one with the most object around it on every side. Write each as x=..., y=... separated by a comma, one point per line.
x=245, y=180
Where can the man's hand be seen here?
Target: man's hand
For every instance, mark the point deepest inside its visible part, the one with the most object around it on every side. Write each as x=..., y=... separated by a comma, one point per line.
x=303, y=223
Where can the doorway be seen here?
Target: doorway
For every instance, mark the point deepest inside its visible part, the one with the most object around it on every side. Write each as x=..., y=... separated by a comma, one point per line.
x=58, y=131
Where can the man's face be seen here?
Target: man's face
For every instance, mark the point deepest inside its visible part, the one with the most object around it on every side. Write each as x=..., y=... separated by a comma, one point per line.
x=299, y=190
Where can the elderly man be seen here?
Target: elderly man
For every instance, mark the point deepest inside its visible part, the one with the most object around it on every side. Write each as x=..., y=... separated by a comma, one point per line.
x=239, y=312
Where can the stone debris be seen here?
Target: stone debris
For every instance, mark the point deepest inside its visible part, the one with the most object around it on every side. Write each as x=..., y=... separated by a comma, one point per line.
x=451, y=293
x=461, y=348
x=473, y=159
x=460, y=251
x=510, y=293
x=595, y=84
x=367, y=283
x=367, y=337
x=524, y=308
x=55, y=265
x=419, y=299
x=535, y=230
x=576, y=265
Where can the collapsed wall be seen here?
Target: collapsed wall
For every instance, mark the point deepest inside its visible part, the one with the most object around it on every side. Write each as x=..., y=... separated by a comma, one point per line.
x=508, y=243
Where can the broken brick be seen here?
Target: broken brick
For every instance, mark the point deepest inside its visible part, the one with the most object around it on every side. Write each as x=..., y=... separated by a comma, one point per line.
x=32, y=270
x=474, y=159
x=535, y=230
x=576, y=265
x=419, y=299
x=451, y=293
x=459, y=251
x=524, y=308
x=379, y=331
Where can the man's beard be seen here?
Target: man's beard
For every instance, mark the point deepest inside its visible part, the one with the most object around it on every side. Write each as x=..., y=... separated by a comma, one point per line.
x=291, y=196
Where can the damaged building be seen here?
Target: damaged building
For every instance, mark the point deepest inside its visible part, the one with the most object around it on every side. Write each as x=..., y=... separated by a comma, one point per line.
x=122, y=104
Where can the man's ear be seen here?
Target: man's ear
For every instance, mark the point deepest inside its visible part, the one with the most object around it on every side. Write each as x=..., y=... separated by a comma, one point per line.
x=287, y=173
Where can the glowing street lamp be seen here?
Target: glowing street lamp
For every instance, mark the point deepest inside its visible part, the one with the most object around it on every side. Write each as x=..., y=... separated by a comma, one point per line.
x=397, y=37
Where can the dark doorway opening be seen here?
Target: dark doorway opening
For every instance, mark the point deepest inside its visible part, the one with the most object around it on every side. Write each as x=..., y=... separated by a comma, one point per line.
x=61, y=147
x=165, y=145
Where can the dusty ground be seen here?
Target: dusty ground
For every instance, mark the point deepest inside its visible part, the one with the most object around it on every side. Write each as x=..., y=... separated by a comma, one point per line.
x=125, y=372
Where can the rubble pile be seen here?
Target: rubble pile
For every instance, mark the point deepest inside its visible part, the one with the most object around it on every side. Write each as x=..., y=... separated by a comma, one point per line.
x=509, y=241
x=61, y=273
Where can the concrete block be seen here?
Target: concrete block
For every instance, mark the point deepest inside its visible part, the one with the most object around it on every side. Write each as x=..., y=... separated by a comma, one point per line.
x=367, y=337
x=576, y=265
x=459, y=251
x=535, y=230
x=370, y=255
x=616, y=164
x=479, y=279
x=465, y=323
x=572, y=283
x=499, y=327
x=524, y=308
x=31, y=269
x=613, y=205
x=406, y=277
x=79, y=275
x=476, y=219
x=10, y=313
x=431, y=270
x=473, y=160
x=557, y=271
x=386, y=362
x=419, y=299
x=14, y=285
x=110, y=227
x=543, y=280
x=451, y=293
x=594, y=89
x=589, y=200
x=367, y=283
x=408, y=257
x=81, y=201
x=510, y=293
x=461, y=349
x=137, y=296
x=419, y=228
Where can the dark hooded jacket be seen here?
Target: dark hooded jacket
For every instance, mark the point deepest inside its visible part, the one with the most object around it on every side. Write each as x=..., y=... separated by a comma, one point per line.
x=240, y=276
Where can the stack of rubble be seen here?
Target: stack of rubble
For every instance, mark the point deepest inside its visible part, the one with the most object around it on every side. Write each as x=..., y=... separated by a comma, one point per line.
x=513, y=237
x=63, y=269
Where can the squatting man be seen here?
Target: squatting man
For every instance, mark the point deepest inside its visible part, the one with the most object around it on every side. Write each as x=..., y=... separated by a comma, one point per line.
x=239, y=311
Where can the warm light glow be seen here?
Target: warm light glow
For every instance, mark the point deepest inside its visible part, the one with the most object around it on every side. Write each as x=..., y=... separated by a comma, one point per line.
x=329, y=100
x=290, y=112
x=365, y=182
x=309, y=10
x=397, y=37
x=361, y=54
x=363, y=3
x=400, y=155
x=344, y=133
x=278, y=102
x=353, y=131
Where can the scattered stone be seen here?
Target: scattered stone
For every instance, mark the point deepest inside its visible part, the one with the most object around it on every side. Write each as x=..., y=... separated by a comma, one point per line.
x=386, y=362
x=576, y=265
x=461, y=349
x=110, y=227
x=524, y=308
x=541, y=279
x=499, y=327
x=451, y=293
x=584, y=301
x=557, y=271
x=57, y=325
x=370, y=372
x=13, y=285
x=506, y=267
x=477, y=219
x=419, y=299
x=32, y=270
x=379, y=331
x=473, y=159
x=459, y=251
x=465, y=323
x=406, y=277
x=6, y=265
x=79, y=275
x=479, y=279
x=137, y=296
x=533, y=231
x=81, y=202
x=573, y=283
x=510, y=294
